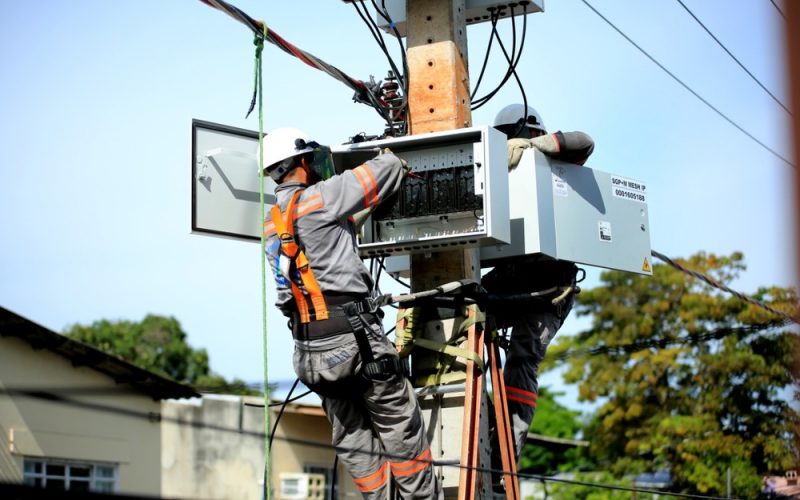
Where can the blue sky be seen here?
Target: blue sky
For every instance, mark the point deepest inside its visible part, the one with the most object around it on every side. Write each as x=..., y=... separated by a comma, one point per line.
x=97, y=100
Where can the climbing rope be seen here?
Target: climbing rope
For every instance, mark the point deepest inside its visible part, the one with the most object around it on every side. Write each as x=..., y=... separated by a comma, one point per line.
x=258, y=41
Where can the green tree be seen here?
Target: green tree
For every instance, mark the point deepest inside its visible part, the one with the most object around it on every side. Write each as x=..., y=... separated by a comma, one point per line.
x=690, y=378
x=157, y=344
x=553, y=420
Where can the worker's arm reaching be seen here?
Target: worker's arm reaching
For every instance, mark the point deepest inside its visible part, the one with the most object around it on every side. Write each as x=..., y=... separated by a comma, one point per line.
x=572, y=147
x=363, y=187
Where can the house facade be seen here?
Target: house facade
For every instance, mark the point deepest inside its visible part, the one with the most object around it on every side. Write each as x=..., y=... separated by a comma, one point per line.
x=75, y=418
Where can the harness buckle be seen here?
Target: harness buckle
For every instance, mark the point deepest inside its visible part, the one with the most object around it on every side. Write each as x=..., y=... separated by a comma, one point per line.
x=287, y=240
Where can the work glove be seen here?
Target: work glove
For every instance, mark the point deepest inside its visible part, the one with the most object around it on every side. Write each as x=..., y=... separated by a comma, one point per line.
x=403, y=163
x=544, y=143
x=515, y=149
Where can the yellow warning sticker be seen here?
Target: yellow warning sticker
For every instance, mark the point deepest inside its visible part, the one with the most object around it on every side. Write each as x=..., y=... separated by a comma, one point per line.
x=646, y=266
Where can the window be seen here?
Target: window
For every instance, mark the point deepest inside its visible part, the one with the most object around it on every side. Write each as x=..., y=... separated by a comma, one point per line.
x=328, y=473
x=68, y=475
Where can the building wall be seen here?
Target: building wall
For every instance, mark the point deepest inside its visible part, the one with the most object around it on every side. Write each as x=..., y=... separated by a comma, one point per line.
x=213, y=448
x=42, y=429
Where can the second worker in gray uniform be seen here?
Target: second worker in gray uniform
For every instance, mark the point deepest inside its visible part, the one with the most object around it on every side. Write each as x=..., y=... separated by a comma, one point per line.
x=533, y=324
x=311, y=245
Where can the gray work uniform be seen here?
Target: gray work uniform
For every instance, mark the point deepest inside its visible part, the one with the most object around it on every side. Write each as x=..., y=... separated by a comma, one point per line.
x=377, y=425
x=533, y=325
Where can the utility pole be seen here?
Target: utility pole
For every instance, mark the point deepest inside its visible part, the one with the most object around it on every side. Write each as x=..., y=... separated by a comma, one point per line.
x=439, y=99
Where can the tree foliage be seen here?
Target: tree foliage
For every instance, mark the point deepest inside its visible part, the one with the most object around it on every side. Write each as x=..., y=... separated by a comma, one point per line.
x=691, y=379
x=158, y=344
x=553, y=420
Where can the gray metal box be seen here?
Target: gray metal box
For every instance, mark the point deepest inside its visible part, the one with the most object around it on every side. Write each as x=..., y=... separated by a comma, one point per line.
x=477, y=11
x=568, y=212
x=464, y=179
x=225, y=187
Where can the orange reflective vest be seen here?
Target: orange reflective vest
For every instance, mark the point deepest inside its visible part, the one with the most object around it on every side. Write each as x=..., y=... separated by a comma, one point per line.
x=309, y=299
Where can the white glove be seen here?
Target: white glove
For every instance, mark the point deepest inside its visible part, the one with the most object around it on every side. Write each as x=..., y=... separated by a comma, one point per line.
x=515, y=149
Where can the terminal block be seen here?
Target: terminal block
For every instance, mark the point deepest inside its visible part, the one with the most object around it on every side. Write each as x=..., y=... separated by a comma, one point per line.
x=456, y=193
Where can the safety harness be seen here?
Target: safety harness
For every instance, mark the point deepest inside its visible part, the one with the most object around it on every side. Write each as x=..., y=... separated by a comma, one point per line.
x=311, y=303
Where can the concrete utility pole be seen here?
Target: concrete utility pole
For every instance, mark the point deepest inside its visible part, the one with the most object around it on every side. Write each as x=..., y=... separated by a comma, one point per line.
x=439, y=99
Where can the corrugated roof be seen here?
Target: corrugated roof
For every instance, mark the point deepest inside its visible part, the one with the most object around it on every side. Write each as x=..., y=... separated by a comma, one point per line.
x=80, y=354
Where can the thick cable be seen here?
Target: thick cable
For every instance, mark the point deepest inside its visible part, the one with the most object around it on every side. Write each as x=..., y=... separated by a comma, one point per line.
x=485, y=57
x=511, y=71
x=685, y=86
x=156, y=418
x=734, y=57
x=280, y=413
x=662, y=343
x=778, y=9
x=361, y=89
x=714, y=283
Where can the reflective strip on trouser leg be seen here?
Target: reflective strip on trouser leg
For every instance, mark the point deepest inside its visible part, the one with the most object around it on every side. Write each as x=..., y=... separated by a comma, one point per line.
x=413, y=466
x=385, y=419
x=374, y=481
x=530, y=336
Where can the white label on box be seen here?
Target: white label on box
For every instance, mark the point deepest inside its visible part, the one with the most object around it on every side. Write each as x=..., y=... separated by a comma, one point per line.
x=628, y=189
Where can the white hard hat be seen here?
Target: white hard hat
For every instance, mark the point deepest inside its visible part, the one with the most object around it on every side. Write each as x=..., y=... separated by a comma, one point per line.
x=515, y=114
x=280, y=146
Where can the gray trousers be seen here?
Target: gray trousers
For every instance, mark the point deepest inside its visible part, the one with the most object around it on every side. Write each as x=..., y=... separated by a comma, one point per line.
x=378, y=426
x=530, y=335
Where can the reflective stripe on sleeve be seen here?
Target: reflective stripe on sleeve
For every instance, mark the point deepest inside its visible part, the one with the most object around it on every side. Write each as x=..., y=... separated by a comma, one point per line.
x=368, y=184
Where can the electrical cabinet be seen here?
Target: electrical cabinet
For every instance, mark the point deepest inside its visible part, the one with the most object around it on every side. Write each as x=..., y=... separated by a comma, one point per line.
x=476, y=11
x=455, y=195
x=564, y=211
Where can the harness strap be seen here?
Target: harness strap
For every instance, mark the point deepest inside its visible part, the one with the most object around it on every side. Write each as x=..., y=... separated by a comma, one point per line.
x=372, y=368
x=285, y=229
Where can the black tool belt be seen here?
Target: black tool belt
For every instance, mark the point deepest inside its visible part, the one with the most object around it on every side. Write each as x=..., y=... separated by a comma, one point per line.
x=348, y=314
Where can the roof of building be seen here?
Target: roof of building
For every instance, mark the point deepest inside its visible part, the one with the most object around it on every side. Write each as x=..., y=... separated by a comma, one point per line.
x=80, y=354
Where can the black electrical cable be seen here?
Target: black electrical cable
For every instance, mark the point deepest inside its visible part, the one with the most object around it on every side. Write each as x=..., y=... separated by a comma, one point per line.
x=734, y=57
x=511, y=71
x=477, y=103
x=513, y=62
x=158, y=417
x=280, y=413
x=394, y=277
x=376, y=34
x=685, y=86
x=486, y=57
x=778, y=9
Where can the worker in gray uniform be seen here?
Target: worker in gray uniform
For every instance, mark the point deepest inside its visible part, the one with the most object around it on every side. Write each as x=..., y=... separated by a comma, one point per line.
x=341, y=352
x=533, y=324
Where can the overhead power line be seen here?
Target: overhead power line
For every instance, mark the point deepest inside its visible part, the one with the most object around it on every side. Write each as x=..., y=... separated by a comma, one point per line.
x=734, y=57
x=156, y=417
x=778, y=9
x=364, y=93
x=684, y=85
x=711, y=281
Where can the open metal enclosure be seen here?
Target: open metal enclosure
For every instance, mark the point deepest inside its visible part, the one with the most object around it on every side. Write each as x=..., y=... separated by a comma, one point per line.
x=225, y=182
x=456, y=194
